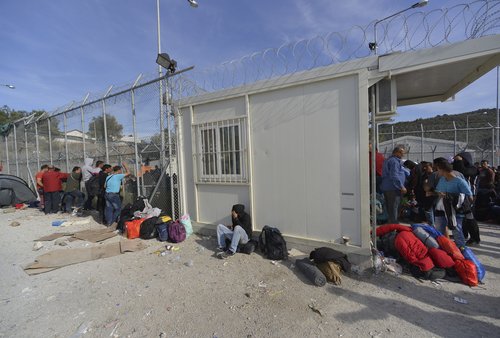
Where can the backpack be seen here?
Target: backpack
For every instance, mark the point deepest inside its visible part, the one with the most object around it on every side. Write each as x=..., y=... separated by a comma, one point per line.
x=248, y=247
x=162, y=229
x=272, y=244
x=139, y=204
x=93, y=185
x=149, y=229
x=176, y=232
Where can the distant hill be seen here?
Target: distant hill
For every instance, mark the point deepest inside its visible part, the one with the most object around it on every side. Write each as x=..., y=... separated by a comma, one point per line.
x=479, y=135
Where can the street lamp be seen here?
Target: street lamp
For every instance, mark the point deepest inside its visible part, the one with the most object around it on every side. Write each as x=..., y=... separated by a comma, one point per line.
x=161, y=58
x=9, y=86
x=373, y=45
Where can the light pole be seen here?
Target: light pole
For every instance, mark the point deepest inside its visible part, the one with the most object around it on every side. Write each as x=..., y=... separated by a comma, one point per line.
x=498, y=121
x=8, y=86
x=373, y=45
x=194, y=4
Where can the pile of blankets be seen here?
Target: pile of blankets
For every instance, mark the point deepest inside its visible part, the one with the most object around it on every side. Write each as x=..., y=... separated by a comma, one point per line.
x=427, y=251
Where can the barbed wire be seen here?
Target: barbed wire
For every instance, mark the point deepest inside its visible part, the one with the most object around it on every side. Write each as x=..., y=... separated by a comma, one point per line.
x=412, y=31
x=401, y=33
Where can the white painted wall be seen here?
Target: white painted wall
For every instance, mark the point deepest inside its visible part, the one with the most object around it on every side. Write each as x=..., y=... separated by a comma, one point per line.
x=305, y=164
x=306, y=170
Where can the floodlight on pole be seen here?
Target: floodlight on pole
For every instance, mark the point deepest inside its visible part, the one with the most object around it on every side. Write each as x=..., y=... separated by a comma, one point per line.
x=9, y=86
x=373, y=45
x=166, y=62
x=193, y=3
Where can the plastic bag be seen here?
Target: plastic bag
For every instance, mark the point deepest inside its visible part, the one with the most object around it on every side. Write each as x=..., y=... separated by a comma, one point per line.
x=186, y=221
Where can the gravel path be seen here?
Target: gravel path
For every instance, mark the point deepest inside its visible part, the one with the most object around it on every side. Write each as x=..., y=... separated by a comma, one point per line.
x=191, y=293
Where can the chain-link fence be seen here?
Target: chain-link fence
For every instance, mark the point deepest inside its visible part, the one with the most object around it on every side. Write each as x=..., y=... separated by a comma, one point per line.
x=427, y=144
x=123, y=126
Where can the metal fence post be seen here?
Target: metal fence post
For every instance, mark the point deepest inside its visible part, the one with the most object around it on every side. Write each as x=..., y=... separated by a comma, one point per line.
x=422, y=143
x=37, y=146
x=83, y=125
x=15, y=150
x=7, y=154
x=26, y=144
x=492, y=145
x=65, y=119
x=104, y=123
x=169, y=143
x=49, y=128
x=454, y=138
x=162, y=123
x=134, y=128
x=392, y=137
x=373, y=172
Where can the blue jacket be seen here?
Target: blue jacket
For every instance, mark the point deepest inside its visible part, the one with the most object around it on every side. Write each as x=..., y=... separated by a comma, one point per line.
x=393, y=174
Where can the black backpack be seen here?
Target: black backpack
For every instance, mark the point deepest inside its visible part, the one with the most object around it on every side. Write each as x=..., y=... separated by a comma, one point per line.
x=148, y=228
x=139, y=204
x=272, y=244
x=93, y=186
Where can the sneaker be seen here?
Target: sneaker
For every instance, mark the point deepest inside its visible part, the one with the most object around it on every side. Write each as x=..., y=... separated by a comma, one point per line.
x=471, y=242
x=75, y=212
x=225, y=254
x=220, y=249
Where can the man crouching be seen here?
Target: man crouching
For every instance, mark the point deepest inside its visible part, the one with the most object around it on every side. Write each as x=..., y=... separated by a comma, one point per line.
x=239, y=234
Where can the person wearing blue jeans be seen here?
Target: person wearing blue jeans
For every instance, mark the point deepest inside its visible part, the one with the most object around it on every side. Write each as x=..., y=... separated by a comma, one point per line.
x=112, y=196
x=450, y=183
x=393, y=183
x=238, y=233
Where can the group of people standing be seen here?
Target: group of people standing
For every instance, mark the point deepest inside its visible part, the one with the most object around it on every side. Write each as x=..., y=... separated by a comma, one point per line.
x=63, y=192
x=445, y=192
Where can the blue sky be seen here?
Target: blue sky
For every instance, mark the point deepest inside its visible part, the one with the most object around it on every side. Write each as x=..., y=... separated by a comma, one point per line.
x=56, y=51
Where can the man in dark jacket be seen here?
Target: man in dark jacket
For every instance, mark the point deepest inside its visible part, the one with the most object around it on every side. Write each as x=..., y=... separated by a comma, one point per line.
x=72, y=191
x=462, y=163
x=101, y=201
x=239, y=234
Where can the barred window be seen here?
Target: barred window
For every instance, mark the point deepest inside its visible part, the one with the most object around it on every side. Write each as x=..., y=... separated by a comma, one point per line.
x=221, y=149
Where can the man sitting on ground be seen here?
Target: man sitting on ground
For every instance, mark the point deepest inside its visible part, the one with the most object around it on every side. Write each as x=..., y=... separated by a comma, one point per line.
x=72, y=193
x=239, y=234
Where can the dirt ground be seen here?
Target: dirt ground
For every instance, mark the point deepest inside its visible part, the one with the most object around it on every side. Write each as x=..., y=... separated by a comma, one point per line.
x=191, y=293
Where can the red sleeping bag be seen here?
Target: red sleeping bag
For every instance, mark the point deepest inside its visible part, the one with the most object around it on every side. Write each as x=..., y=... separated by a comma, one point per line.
x=440, y=258
x=413, y=250
x=450, y=247
x=467, y=272
x=385, y=229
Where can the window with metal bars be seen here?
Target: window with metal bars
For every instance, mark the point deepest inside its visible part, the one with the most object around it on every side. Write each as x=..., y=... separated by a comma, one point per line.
x=221, y=150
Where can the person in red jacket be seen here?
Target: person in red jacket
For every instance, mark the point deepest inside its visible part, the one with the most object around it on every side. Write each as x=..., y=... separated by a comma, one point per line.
x=52, y=186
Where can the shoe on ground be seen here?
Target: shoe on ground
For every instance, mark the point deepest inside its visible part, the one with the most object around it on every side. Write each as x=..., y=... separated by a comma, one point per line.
x=220, y=249
x=225, y=254
x=471, y=242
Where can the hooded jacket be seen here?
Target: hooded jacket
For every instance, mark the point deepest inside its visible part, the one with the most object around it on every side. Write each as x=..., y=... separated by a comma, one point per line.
x=465, y=166
x=88, y=170
x=243, y=219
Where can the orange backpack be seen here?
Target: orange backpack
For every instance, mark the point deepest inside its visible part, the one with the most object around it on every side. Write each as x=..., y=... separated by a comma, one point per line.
x=133, y=228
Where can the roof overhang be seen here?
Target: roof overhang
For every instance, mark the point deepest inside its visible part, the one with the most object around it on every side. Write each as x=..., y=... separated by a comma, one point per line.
x=437, y=74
